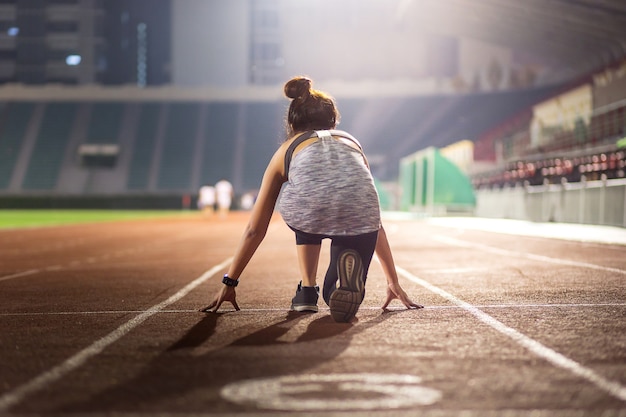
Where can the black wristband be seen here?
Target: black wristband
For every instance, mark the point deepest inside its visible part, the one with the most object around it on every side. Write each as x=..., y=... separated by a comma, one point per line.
x=229, y=282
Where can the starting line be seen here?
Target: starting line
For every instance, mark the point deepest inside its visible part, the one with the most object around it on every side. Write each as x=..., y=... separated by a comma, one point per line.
x=321, y=308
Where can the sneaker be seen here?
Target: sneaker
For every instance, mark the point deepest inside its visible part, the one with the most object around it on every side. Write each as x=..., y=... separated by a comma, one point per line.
x=345, y=300
x=305, y=298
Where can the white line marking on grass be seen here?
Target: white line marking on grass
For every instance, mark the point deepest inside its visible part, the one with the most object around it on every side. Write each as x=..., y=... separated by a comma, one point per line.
x=498, y=251
x=18, y=394
x=552, y=356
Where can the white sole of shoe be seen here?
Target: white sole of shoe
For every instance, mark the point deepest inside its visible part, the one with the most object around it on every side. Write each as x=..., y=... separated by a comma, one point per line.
x=346, y=300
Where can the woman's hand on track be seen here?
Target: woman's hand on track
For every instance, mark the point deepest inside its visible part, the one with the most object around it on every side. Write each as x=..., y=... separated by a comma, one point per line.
x=395, y=291
x=225, y=293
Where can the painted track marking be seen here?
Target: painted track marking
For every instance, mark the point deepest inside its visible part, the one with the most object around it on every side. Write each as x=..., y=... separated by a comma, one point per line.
x=332, y=392
x=20, y=274
x=80, y=358
x=552, y=356
x=18, y=394
x=93, y=259
x=534, y=257
x=284, y=310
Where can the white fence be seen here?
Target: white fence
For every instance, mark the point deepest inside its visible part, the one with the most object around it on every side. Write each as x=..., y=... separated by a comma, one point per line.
x=587, y=202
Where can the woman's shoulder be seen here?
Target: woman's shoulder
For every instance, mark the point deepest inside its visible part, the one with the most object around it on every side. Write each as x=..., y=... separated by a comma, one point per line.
x=283, y=148
x=276, y=164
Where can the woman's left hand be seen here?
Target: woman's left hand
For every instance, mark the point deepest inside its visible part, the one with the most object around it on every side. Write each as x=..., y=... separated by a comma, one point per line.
x=226, y=293
x=395, y=291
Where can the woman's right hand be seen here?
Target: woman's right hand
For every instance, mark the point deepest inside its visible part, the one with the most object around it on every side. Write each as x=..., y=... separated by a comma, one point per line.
x=226, y=293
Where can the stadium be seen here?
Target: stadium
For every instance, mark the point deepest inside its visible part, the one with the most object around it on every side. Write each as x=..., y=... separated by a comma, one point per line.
x=496, y=135
x=76, y=144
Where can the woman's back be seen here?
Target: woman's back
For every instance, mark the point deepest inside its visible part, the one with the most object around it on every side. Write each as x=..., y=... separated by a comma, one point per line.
x=330, y=191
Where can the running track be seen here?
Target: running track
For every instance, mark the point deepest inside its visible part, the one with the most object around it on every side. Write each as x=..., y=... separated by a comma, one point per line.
x=102, y=319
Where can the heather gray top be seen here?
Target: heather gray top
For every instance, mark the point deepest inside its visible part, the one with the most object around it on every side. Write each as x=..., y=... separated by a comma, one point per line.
x=330, y=191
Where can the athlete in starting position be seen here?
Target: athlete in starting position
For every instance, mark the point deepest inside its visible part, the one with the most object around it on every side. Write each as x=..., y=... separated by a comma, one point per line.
x=329, y=194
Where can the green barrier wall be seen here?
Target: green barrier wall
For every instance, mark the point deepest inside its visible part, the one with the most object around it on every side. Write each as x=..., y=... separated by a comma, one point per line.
x=431, y=182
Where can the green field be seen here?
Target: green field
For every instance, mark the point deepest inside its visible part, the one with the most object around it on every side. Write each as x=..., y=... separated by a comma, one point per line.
x=37, y=218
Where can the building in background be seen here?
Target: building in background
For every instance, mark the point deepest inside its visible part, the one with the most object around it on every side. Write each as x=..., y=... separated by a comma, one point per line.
x=85, y=42
x=417, y=47
x=264, y=42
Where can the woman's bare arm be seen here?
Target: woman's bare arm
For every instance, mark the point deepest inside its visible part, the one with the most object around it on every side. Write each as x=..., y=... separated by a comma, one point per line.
x=394, y=290
x=255, y=230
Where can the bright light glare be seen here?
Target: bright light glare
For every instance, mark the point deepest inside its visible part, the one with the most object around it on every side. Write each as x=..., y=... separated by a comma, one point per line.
x=13, y=31
x=73, y=60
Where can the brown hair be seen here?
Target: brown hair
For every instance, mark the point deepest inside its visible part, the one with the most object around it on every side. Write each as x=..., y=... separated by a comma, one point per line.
x=310, y=109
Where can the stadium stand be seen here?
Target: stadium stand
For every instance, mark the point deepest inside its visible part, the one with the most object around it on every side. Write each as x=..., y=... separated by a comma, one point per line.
x=13, y=125
x=143, y=150
x=170, y=145
x=262, y=135
x=561, y=160
x=178, y=146
x=105, y=124
x=50, y=147
x=220, y=130
x=175, y=146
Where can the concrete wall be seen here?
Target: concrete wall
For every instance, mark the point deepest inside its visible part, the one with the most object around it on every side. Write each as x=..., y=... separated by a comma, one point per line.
x=593, y=202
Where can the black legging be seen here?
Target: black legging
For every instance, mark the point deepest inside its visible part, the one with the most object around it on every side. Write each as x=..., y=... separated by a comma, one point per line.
x=364, y=245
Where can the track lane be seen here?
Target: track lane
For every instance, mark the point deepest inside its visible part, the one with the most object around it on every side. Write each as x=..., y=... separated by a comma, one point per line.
x=473, y=367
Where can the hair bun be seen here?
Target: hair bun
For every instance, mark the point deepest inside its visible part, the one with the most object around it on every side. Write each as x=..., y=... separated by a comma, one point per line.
x=298, y=87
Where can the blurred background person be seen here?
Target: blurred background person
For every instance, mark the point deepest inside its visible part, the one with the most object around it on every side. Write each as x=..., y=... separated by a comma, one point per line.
x=206, y=200
x=224, y=191
x=247, y=200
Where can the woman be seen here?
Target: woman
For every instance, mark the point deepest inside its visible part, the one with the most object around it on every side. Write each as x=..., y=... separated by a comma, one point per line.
x=330, y=194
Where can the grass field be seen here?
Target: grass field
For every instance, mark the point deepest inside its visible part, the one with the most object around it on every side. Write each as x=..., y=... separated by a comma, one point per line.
x=37, y=218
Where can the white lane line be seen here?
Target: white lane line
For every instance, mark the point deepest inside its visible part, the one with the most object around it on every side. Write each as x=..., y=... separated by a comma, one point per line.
x=18, y=394
x=321, y=308
x=615, y=389
x=453, y=270
x=20, y=274
x=92, y=259
x=498, y=251
x=579, y=233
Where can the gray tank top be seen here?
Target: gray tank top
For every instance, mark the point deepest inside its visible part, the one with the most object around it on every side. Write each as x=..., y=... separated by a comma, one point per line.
x=330, y=190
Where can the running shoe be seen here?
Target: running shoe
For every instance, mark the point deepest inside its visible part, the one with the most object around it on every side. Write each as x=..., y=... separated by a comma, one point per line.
x=345, y=300
x=305, y=298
